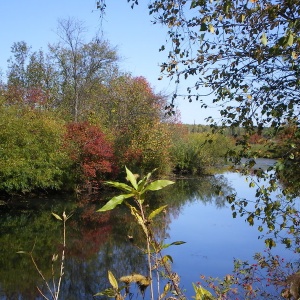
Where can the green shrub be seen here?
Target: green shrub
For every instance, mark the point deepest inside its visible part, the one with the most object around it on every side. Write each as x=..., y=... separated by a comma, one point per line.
x=30, y=150
x=195, y=153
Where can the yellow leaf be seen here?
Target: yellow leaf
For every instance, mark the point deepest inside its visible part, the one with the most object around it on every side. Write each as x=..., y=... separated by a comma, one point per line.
x=211, y=28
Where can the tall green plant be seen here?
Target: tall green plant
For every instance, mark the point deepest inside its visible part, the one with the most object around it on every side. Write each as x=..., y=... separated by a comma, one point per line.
x=156, y=260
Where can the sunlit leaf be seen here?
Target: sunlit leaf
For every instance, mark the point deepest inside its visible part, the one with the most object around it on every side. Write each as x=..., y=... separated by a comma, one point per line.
x=57, y=216
x=112, y=203
x=167, y=288
x=131, y=178
x=211, y=28
x=120, y=186
x=156, y=212
x=264, y=39
x=157, y=185
x=172, y=244
x=107, y=292
x=290, y=40
x=167, y=258
x=202, y=293
x=270, y=243
x=141, y=183
x=112, y=280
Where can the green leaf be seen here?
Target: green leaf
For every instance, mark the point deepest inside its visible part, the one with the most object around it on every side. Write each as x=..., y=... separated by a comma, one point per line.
x=112, y=203
x=250, y=220
x=290, y=40
x=141, y=183
x=251, y=184
x=121, y=186
x=167, y=288
x=22, y=252
x=167, y=258
x=270, y=243
x=157, y=211
x=57, y=216
x=203, y=27
x=178, y=243
x=172, y=244
x=202, y=293
x=107, y=292
x=157, y=185
x=131, y=178
x=112, y=280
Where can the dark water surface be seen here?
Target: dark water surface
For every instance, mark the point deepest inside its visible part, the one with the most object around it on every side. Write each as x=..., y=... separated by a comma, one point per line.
x=97, y=242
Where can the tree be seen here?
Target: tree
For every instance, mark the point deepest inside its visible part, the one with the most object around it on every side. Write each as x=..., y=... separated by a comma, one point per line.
x=134, y=113
x=81, y=65
x=31, y=77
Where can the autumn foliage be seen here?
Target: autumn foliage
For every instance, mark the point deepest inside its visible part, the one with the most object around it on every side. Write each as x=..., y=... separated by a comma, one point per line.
x=90, y=152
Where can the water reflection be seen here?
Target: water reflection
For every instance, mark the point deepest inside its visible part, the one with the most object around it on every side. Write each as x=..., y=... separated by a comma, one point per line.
x=97, y=242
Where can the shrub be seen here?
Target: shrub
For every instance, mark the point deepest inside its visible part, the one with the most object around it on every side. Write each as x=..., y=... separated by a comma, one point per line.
x=196, y=152
x=31, y=156
x=151, y=147
x=91, y=153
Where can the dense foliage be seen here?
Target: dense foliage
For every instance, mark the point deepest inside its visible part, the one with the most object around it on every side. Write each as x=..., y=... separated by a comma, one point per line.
x=197, y=152
x=91, y=154
x=31, y=155
x=71, y=119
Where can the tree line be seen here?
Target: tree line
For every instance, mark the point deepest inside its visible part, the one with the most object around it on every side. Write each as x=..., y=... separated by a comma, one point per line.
x=71, y=119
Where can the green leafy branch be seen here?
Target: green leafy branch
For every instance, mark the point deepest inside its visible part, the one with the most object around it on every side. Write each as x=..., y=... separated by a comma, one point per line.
x=137, y=191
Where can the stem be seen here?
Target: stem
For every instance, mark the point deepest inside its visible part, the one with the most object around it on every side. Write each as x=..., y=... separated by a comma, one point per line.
x=158, y=277
x=62, y=260
x=41, y=274
x=42, y=293
x=167, y=269
x=148, y=238
x=53, y=279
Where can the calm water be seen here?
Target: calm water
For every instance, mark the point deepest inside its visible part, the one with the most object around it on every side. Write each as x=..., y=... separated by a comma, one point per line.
x=98, y=242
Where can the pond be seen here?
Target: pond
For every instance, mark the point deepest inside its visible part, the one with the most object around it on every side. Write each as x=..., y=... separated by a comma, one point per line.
x=97, y=242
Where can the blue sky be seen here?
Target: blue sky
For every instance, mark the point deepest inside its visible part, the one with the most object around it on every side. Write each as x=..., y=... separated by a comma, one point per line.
x=131, y=31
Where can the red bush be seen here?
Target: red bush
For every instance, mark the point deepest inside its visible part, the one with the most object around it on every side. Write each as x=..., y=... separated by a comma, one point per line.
x=91, y=152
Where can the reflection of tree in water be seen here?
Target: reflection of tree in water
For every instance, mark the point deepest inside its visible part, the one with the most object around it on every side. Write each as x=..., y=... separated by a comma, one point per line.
x=208, y=189
x=96, y=242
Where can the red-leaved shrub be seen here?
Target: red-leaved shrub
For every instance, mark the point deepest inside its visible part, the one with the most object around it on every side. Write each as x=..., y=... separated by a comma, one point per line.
x=91, y=152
